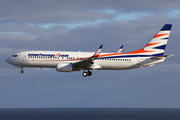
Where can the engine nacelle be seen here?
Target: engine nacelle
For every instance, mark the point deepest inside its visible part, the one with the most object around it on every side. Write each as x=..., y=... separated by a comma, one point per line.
x=64, y=67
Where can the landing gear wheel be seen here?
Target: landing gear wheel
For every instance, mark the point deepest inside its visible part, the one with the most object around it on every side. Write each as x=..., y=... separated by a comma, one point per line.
x=84, y=74
x=22, y=71
x=89, y=73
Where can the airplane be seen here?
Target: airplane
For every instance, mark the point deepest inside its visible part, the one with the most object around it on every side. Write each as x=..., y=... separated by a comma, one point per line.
x=69, y=61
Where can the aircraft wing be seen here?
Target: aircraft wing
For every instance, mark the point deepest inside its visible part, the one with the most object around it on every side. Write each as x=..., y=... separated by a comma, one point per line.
x=87, y=62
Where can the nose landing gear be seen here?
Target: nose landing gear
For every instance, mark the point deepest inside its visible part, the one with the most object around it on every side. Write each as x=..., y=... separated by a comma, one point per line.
x=88, y=73
x=22, y=71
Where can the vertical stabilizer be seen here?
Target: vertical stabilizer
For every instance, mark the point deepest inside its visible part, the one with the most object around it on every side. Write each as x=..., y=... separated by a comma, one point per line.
x=158, y=44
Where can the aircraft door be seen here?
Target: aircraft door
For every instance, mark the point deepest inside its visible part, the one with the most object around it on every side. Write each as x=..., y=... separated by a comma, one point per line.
x=24, y=58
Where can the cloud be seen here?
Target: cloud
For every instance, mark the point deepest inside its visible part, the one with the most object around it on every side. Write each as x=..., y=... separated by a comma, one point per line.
x=174, y=13
x=42, y=12
x=17, y=37
x=8, y=51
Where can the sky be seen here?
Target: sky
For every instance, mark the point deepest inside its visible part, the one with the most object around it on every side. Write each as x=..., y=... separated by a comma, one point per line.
x=74, y=25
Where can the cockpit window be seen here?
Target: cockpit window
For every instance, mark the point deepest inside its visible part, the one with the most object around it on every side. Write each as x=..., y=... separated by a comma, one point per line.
x=14, y=55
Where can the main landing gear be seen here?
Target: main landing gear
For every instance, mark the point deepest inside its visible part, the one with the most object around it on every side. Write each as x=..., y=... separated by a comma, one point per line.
x=88, y=73
x=22, y=71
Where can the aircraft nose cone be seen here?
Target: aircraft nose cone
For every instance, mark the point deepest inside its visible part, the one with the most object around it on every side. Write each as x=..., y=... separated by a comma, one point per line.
x=8, y=60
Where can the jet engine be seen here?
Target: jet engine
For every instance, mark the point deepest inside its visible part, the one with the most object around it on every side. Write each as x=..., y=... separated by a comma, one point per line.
x=64, y=67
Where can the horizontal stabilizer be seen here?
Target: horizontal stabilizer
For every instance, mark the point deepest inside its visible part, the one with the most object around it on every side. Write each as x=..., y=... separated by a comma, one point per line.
x=161, y=57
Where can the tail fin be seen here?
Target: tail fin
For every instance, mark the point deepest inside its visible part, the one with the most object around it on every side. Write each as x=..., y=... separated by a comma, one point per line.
x=159, y=41
x=157, y=45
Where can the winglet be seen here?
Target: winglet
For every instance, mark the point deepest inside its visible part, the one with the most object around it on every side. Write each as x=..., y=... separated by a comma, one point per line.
x=120, y=49
x=97, y=53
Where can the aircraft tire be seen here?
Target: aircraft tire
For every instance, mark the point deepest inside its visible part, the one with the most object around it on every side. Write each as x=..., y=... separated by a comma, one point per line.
x=89, y=73
x=85, y=74
x=22, y=71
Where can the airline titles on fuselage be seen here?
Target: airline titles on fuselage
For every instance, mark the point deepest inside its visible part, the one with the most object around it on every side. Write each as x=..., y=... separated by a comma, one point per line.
x=48, y=55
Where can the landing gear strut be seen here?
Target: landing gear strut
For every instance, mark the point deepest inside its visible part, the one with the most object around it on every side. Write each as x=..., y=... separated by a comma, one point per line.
x=22, y=71
x=88, y=73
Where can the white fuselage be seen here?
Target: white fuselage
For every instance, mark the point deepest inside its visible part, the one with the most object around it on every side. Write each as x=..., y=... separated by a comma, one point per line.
x=106, y=61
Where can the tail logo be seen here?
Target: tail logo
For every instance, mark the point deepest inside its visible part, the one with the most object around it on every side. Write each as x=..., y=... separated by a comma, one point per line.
x=158, y=44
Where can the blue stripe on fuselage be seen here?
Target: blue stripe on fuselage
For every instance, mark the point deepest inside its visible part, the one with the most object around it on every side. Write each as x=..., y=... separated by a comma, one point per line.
x=125, y=56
